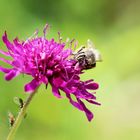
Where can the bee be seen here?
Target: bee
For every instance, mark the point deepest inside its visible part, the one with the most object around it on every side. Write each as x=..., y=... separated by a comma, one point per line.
x=87, y=56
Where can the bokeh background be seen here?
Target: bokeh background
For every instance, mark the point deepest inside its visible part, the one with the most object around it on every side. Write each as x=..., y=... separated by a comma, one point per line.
x=114, y=26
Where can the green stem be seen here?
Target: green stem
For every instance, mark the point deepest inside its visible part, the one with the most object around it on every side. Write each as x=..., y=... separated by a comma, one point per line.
x=20, y=116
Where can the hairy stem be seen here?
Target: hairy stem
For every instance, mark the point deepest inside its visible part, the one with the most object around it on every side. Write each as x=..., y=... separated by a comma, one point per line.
x=20, y=116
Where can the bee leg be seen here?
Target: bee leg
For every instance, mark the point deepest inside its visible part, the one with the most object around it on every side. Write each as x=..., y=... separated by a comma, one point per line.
x=81, y=48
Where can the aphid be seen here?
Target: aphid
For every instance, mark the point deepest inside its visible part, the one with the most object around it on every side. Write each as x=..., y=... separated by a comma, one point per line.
x=19, y=102
x=87, y=56
x=11, y=119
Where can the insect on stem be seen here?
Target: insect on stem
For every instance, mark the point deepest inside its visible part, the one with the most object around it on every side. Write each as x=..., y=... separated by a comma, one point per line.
x=11, y=119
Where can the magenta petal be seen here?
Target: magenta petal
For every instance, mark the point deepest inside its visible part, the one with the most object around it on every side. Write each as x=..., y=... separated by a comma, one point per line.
x=5, y=70
x=55, y=89
x=56, y=92
x=16, y=42
x=7, y=42
x=88, y=113
x=30, y=87
x=66, y=53
x=88, y=81
x=74, y=103
x=59, y=82
x=12, y=74
x=92, y=86
x=4, y=53
x=17, y=63
x=6, y=61
x=44, y=80
x=93, y=102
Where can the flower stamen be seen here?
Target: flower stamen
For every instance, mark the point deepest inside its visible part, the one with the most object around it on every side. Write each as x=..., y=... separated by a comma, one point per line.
x=46, y=28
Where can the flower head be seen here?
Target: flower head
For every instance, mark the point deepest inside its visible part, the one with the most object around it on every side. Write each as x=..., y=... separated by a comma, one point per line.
x=48, y=62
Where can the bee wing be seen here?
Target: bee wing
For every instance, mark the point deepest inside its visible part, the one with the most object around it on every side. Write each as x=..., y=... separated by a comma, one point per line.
x=90, y=44
x=97, y=54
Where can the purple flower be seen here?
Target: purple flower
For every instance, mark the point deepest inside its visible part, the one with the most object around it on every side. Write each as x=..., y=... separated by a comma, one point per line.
x=48, y=62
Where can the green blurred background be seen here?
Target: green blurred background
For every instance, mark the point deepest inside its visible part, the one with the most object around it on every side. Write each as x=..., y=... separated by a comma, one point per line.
x=114, y=26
